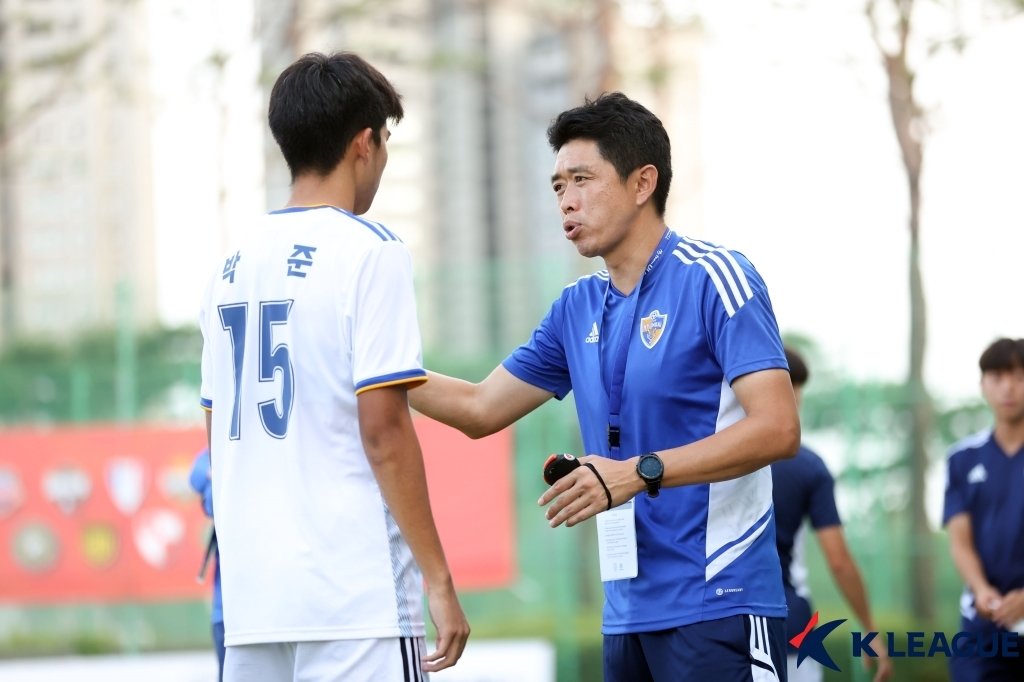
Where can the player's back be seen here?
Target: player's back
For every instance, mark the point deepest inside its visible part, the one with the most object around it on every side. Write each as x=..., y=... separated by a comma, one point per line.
x=294, y=325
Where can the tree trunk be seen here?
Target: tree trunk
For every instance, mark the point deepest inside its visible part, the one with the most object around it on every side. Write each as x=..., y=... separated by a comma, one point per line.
x=906, y=117
x=7, y=313
x=922, y=574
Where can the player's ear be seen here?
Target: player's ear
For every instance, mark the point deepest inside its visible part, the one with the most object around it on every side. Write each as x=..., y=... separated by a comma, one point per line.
x=362, y=144
x=645, y=181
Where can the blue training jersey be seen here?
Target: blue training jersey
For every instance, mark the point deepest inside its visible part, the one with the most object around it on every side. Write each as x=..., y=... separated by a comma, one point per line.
x=988, y=484
x=802, y=488
x=699, y=319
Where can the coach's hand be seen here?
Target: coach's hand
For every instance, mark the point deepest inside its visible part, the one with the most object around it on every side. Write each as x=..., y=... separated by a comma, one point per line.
x=585, y=492
x=451, y=625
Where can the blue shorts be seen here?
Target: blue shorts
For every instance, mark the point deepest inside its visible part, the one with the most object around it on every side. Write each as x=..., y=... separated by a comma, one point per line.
x=986, y=669
x=734, y=649
x=982, y=669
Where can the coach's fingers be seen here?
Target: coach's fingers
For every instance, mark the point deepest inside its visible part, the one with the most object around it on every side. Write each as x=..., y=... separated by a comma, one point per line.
x=576, y=505
x=560, y=486
x=574, y=498
x=578, y=512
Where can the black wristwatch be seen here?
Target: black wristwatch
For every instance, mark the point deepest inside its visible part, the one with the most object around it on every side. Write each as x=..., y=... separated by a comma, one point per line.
x=650, y=469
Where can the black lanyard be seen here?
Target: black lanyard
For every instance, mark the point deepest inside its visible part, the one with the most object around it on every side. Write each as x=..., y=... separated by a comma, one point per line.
x=622, y=351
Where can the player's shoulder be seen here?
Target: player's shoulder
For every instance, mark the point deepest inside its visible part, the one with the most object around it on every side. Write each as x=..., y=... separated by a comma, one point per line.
x=337, y=222
x=809, y=456
x=971, y=446
x=815, y=465
x=331, y=235
x=804, y=463
x=374, y=231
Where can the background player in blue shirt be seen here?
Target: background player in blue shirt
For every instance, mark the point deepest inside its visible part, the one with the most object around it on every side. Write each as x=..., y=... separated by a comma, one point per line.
x=802, y=489
x=984, y=514
x=683, y=398
x=202, y=484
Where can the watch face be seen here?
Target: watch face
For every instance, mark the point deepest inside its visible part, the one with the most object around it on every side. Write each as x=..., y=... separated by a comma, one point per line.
x=651, y=467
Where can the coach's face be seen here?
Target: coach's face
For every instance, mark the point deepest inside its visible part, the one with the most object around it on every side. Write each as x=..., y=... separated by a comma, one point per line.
x=596, y=205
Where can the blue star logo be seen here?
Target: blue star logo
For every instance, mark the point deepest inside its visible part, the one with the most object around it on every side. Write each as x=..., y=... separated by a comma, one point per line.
x=811, y=642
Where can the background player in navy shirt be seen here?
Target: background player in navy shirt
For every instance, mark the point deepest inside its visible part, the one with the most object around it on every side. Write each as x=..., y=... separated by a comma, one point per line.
x=203, y=485
x=674, y=357
x=802, y=489
x=984, y=514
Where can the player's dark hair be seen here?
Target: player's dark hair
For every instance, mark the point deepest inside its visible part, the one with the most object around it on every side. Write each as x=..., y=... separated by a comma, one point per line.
x=1003, y=354
x=627, y=135
x=798, y=372
x=320, y=103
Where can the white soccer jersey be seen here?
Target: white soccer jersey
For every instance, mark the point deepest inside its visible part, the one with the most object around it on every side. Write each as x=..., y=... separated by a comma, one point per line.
x=314, y=307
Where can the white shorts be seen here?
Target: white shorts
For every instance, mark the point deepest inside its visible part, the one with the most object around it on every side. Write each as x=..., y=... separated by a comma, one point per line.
x=809, y=670
x=394, y=659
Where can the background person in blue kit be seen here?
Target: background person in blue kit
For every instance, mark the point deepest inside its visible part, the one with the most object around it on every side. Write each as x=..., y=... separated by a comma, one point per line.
x=803, y=489
x=202, y=484
x=681, y=390
x=984, y=515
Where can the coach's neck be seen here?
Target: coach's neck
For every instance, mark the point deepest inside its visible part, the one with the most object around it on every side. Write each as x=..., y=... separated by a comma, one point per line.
x=628, y=260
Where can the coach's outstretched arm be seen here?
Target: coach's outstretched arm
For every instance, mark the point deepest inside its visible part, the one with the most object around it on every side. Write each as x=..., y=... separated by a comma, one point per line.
x=394, y=454
x=480, y=409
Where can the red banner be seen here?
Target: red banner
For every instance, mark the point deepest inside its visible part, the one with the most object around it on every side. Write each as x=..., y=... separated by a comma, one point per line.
x=106, y=514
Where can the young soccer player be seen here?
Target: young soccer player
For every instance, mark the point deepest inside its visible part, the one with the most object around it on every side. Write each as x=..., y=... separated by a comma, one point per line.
x=310, y=343
x=984, y=515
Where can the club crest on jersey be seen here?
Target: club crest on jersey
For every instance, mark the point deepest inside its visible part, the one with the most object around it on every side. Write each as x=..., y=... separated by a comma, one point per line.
x=652, y=327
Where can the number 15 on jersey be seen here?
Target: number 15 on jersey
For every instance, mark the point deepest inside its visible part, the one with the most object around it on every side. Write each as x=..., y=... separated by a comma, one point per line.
x=274, y=362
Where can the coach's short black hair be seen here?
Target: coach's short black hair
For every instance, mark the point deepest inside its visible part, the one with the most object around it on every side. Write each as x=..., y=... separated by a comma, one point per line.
x=320, y=103
x=1003, y=354
x=798, y=372
x=627, y=134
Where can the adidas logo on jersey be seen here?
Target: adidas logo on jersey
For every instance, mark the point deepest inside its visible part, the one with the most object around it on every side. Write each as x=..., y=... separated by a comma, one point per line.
x=977, y=474
x=593, y=336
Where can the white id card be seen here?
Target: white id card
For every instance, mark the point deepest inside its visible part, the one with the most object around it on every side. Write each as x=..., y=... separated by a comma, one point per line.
x=616, y=542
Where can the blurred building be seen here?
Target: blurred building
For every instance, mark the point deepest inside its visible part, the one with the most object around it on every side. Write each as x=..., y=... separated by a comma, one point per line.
x=468, y=180
x=76, y=237
x=98, y=149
